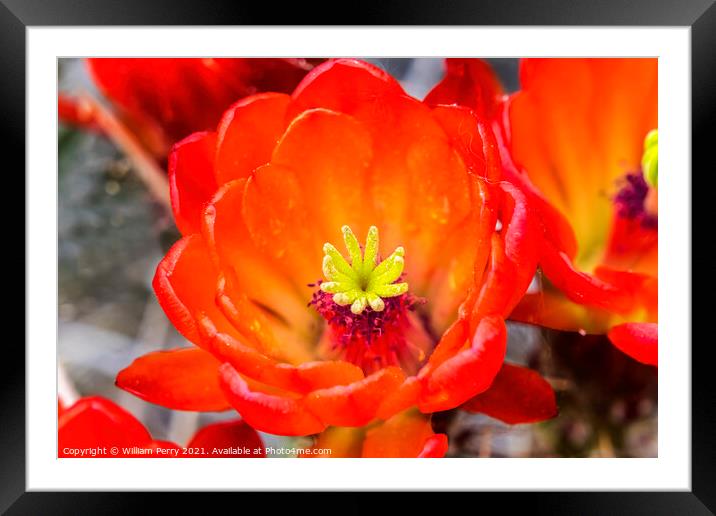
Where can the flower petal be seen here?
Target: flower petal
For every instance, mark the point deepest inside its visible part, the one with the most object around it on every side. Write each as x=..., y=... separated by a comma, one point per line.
x=402, y=398
x=408, y=434
x=179, y=379
x=281, y=339
x=462, y=259
x=275, y=213
x=643, y=287
x=191, y=179
x=468, y=82
x=336, y=442
x=245, y=359
x=253, y=323
x=472, y=138
x=185, y=285
x=452, y=340
x=581, y=287
x=354, y=404
x=246, y=269
x=248, y=133
x=638, y=340
x=326, y=374
x=517, y=395
x=435, y=447
x=343, y=85
x=329, y=154
x=632, y=247
x=557, y=228
x=514, y=256
x=551, y=309
x=270, y=413
x=226, y=435
x=303, y=378
x=469, y=372
x=98, y=422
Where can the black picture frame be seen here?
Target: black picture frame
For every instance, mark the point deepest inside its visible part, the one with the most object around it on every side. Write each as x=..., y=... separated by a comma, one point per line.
x=700, y=15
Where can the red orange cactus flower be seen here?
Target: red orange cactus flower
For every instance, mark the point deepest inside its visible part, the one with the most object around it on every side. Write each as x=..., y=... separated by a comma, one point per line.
x=97, y=427
x=305, y=334
x=578, y=139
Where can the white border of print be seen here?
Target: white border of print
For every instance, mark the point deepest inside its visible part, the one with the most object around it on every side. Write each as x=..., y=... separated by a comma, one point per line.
x=671, y=470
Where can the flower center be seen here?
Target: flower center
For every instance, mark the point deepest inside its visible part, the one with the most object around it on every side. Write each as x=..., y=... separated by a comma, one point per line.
x=364, y=282
x=638, y=194
x=368, y=310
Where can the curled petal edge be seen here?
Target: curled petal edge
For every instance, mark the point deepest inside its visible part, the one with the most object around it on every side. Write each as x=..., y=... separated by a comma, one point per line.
x=467, y=373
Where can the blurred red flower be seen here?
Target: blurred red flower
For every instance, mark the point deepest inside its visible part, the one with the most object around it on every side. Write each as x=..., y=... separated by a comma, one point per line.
x=573, y=140
x=162, y=100
x=98, y=427
x=301, y=340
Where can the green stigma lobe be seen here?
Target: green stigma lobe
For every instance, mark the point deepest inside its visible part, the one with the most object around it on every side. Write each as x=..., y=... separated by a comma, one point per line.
x=371, y=251
x=337, y=260
x=364, y=282
x=650, y=158
x=353, y=249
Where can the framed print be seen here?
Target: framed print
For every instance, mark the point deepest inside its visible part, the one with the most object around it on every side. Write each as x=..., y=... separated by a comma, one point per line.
x=365, y=245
